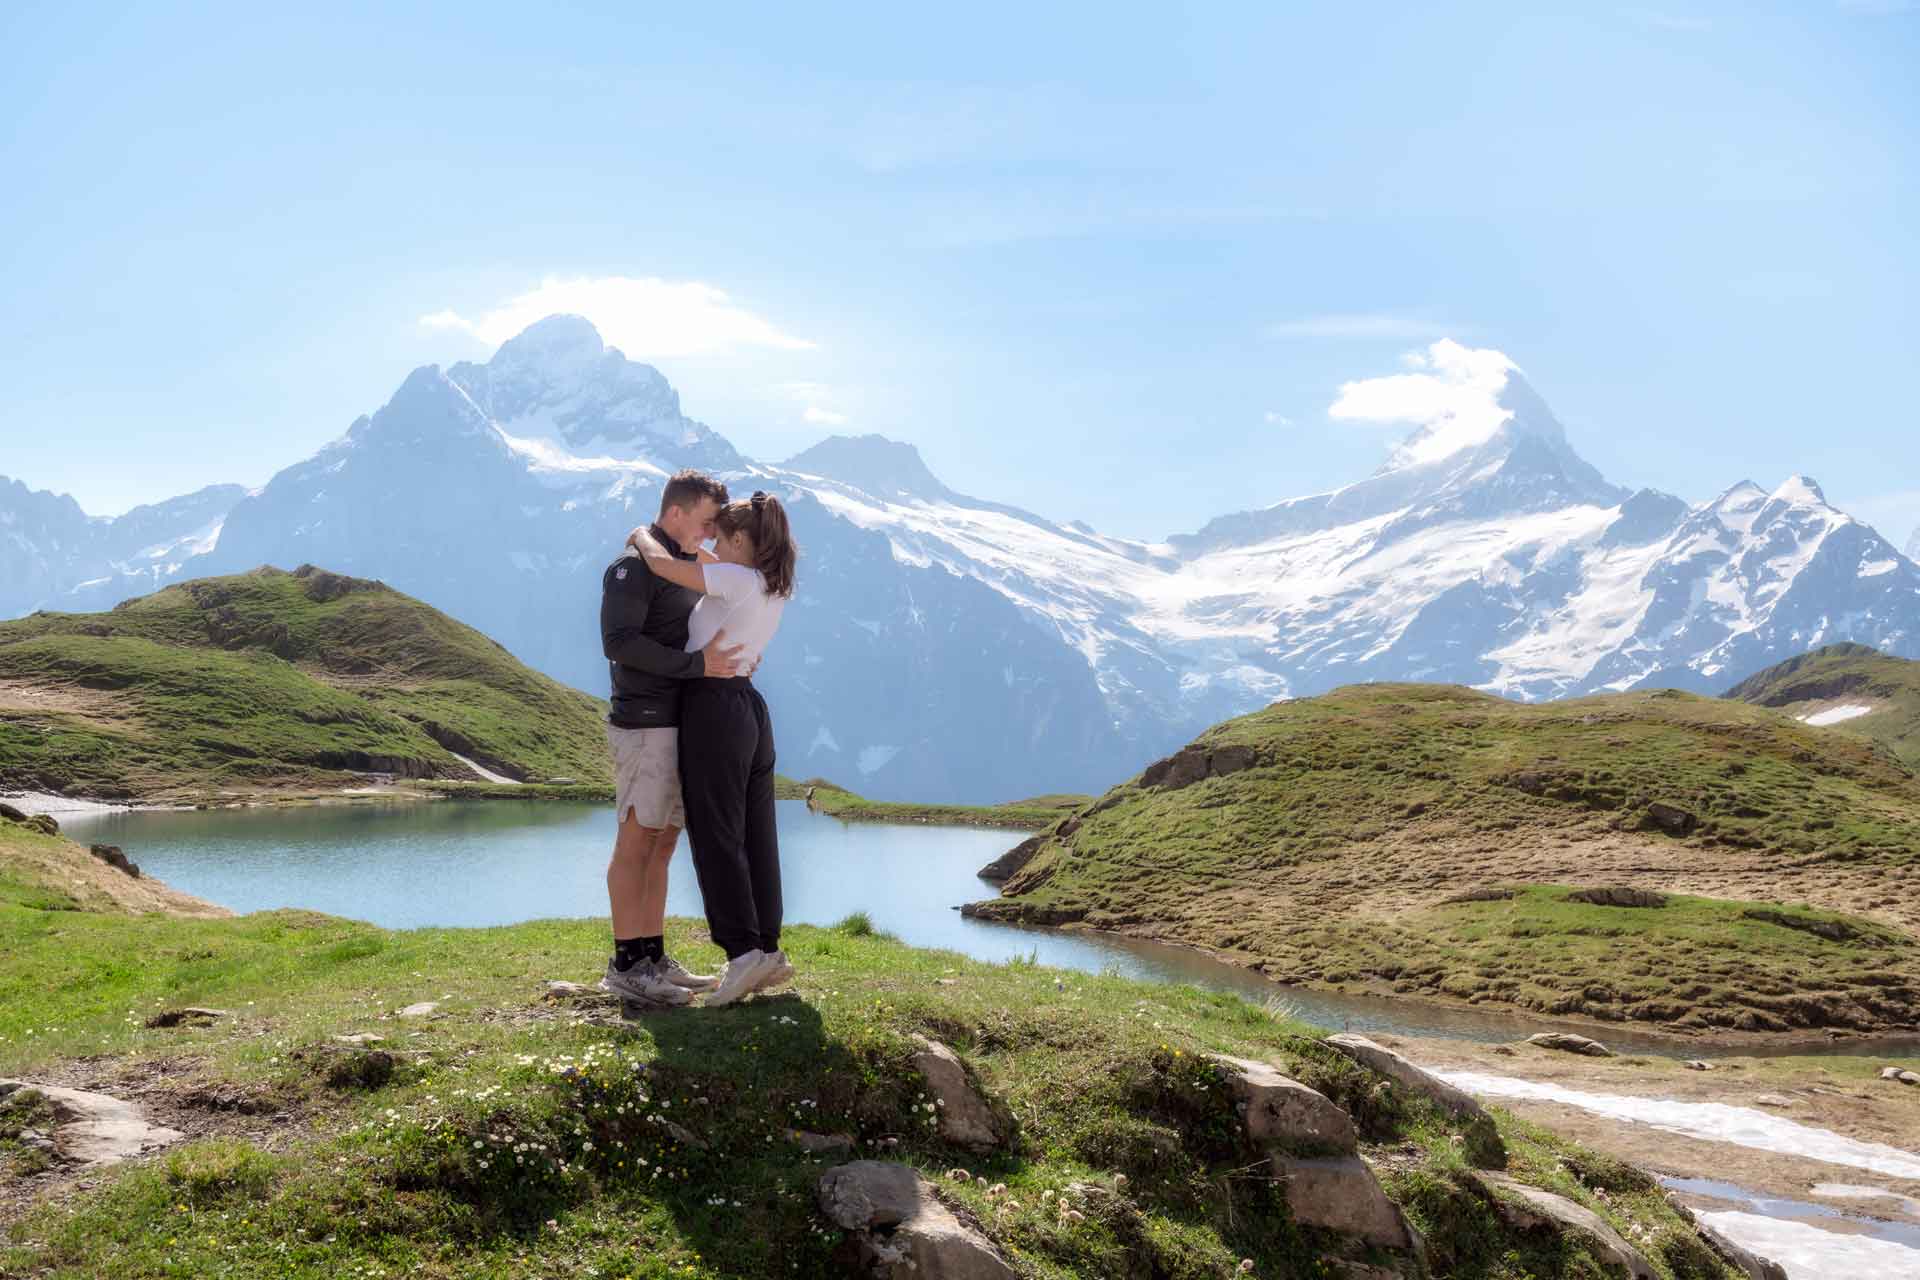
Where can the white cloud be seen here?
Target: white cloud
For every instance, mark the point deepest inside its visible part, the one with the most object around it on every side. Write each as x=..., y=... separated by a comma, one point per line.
x=1277, y=419
x=1361, y=324
x=813, y=396
x=646, y=317
x=1454, y=399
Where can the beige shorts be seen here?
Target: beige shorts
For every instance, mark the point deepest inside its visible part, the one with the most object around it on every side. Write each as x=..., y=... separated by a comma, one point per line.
x=646, y=776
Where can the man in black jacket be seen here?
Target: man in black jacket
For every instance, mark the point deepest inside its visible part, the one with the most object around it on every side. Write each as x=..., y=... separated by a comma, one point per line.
x=643, y=631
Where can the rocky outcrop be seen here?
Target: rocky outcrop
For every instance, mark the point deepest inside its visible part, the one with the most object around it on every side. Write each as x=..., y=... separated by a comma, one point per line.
x=43, y=823
x=1282, y=1112
x=112, y=855
x=1526, y=1208
x=1313, y=1151
x=966, y=1120
x=1671, y=819
x=1458, y=1103
x=899, y=1229
x=1340, y=1193
x=1010, y=863
x=1618, y=897
x=1197, y=763
x=94, y=1128
x=1567, y=1042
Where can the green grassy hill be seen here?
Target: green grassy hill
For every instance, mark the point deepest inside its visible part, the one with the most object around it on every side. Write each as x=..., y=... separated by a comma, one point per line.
x=504, y=1135
x=1429, y=841
x=273, y=682
x=1020, y=815
x=1845, y=676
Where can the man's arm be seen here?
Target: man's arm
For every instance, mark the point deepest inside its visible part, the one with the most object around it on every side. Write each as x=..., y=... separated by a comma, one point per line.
x=623, y=613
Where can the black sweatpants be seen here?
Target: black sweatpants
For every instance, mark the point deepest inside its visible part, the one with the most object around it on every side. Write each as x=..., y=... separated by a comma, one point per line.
x=726, y=780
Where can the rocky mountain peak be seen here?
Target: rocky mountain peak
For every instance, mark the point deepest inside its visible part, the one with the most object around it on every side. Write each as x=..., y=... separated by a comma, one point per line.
x=872, y=463
x=1913, y=546
x=558, y=383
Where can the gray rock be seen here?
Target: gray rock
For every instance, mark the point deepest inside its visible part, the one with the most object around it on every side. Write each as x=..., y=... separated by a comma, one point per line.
x=1526, y=1207
x=113, y=856
x=820, y=1143
x=95, y=1128
x=900, y=1229
x=1695, y=1064
x=1340, y=1193
x=1899, y=1075
x=1771, y=1100
x=965, y=1118
x=1009, y=864
x=359, y=1039
x=1487, y=1148
x=421, y=1010
x=1279, y=1111
x=1384, y=1061
x=12, y=814
x=1567, y=1042
x=566, y=992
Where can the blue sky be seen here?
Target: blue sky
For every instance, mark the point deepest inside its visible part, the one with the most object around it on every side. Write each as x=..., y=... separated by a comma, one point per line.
x=1108, y=262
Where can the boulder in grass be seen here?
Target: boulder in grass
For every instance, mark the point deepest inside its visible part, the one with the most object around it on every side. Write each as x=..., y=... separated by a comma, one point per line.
x=898, y=1229
x=965, y=1118
x=1567, y=1042
x=1525, y=1207
x=1483, y=1133
x=1340, y=1193
x=1282, y=1112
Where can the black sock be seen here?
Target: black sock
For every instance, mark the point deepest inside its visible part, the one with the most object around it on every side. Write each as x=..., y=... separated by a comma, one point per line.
x=654, y=948
x=628, y=952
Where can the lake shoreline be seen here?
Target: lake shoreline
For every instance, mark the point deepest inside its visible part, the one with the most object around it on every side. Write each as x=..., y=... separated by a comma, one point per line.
x=1719, y=1043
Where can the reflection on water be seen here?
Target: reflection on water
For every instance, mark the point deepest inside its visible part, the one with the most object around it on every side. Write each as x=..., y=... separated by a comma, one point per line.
x=1709, y=1189
x=404, y=864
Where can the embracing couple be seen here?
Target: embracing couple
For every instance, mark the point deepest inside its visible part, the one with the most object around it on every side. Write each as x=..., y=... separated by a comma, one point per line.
x=683, y=629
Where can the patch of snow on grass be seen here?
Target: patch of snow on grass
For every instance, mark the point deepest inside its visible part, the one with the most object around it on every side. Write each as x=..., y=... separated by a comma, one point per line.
x=1709, y=1121
x=485, y=772
x=1834, y=715
x=1814, y=1253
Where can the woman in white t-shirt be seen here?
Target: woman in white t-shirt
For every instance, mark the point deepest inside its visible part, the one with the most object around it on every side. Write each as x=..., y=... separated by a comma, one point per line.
x=726, y=738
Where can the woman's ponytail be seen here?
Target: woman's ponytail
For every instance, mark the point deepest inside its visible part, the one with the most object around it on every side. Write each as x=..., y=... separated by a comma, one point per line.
x=765, y=522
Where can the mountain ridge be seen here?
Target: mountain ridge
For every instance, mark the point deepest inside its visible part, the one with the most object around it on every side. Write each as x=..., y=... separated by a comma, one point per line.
x=948, y=648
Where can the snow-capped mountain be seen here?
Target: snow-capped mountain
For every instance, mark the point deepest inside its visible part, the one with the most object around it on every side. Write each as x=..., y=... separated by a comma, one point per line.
x=946, y=647
x=1913, y=546
x=54, y=555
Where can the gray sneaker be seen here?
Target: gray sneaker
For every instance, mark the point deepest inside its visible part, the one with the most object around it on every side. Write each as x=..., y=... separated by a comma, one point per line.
x=742, y=976
x=777, y=973
x=676, y=973
x=643, y=984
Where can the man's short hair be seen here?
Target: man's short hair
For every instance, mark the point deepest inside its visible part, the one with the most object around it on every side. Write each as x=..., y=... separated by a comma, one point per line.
x=686, y=488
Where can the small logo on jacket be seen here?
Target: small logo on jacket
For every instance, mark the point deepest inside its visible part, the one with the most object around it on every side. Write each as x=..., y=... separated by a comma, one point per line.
x=621, y=573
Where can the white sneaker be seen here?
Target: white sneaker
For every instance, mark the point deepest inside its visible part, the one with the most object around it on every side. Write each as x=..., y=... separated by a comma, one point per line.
x=643, y=984
x=675, y=972
x=778, y=972
x=738, y=981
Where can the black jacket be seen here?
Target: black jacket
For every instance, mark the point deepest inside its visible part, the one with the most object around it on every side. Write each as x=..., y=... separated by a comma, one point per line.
x=643, y=632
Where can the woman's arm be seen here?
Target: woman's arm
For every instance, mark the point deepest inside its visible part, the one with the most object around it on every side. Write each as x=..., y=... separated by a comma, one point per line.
x=682, y=573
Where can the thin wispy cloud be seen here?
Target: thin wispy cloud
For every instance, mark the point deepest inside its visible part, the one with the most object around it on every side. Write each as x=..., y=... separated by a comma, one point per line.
x=1453, y=395
x=814, y=397
x=1273, y=419
x=646, y=317
x=1362, y=324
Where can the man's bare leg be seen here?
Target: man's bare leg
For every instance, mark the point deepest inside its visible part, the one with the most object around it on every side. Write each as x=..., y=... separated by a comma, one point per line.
x=634, y=905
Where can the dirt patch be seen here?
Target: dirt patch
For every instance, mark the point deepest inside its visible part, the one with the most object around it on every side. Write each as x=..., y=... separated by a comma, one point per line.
x=98, y=705
x=177, y=1093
